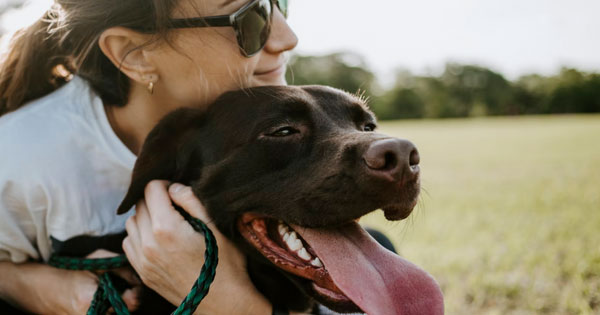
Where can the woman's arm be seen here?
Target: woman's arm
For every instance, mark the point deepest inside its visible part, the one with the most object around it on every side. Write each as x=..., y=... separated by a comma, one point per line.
x=43, y=289
x=168, y=254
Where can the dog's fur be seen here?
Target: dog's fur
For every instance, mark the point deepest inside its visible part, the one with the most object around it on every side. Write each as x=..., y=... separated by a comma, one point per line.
x=294, y=154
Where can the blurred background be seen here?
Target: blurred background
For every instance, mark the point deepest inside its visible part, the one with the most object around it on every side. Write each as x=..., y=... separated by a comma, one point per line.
x=502, y=99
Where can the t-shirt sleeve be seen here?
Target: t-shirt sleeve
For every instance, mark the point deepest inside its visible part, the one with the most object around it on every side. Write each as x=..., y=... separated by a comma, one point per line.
x=18, y=230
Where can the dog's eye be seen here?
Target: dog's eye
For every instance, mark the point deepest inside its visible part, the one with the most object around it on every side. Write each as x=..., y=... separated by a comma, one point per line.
x=369, y=127
x=284, y=132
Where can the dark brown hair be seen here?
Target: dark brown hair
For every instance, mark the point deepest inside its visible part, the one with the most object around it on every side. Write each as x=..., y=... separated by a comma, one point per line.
x=64, y=42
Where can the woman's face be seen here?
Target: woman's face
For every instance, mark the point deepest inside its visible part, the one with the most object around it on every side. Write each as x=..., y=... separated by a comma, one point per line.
x=202, y=63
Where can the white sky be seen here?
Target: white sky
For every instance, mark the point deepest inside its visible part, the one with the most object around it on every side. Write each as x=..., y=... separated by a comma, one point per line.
x=510, y=36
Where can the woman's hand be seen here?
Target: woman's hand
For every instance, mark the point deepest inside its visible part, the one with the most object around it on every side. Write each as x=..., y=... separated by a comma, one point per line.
x=168, y=254
x=131, y=295
x=42, y=289
x=79, y=287
x=74, y=293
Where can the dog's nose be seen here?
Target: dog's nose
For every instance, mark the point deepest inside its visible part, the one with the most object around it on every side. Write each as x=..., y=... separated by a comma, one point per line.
x=392, y=159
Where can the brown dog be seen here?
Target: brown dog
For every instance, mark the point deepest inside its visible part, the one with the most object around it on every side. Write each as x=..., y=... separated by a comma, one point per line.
x=285, y=172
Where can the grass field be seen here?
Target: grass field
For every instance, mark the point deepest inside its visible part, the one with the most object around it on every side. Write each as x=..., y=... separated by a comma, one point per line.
x=509, y=218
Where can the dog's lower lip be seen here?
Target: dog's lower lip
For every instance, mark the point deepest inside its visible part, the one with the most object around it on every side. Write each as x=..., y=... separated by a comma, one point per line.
x=259, y=231
x=280, y=243
x=330, y=294
x=397, y=212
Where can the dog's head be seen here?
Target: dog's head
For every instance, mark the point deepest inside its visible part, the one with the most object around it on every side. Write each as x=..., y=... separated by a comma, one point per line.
x=285, y=172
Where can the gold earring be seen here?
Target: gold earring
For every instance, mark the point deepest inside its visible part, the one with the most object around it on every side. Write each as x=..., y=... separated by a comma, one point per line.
x=151, y=87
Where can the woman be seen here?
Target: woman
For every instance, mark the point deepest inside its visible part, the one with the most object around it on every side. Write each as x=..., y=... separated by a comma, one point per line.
x=79, y=91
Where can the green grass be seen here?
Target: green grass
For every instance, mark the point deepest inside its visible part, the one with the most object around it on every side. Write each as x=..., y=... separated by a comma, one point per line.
x=509, y=217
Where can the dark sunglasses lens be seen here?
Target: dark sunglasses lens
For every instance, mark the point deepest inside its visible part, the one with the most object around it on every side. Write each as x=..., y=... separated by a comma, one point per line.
x=283, y=7
x=254, y=27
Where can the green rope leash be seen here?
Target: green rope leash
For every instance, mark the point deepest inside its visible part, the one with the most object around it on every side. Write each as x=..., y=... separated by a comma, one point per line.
x=107, y=296
x=207, y=274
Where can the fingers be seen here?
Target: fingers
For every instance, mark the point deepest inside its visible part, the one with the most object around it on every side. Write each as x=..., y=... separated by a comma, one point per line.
x=131, y=243
x=127, y=274
x=184, y=197
x=140, y=241
x=84, y=285
x=159, y=203
x=101, y=253
x=131, y=297
x=143, y=223
x=133, y=237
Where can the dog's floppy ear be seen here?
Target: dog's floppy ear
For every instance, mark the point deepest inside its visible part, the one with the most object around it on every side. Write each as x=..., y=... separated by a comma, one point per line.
x=166, y=153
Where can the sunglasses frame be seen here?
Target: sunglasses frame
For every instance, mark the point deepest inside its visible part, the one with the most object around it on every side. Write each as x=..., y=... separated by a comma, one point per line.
x=232, y=21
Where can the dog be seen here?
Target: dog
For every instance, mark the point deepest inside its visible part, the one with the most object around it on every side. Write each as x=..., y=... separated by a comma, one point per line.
x=285, y=172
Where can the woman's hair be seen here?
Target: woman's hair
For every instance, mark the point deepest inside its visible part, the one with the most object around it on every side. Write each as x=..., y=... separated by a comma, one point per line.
x=64, y=41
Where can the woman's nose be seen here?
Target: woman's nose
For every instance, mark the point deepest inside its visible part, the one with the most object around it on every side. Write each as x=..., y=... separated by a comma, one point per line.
x=282, y=37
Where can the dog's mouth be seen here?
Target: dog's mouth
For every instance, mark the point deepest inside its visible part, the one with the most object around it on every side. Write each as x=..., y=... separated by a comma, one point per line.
x=285, y=248
x=348, y=271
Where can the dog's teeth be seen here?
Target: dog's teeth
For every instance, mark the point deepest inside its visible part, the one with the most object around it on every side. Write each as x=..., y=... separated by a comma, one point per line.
x=293, y=242
x=282, y=229
x=286, y=236
x=302, y=253
x=292, y=236
x=316, y=262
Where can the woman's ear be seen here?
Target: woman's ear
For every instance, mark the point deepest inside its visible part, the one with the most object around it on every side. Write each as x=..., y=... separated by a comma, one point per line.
x=126, y=49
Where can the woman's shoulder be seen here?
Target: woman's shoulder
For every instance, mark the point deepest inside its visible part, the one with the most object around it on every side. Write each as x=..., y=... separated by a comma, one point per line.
x=47, y=129
x=73, y=98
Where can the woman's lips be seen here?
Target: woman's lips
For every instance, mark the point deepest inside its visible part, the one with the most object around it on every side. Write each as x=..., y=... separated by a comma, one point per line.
x=279, y=70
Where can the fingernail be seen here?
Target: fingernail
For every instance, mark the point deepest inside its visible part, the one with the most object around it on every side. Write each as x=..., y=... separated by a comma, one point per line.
x=175, y=188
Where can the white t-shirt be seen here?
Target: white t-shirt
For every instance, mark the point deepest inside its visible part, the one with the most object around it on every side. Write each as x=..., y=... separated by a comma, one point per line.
x=63, y=173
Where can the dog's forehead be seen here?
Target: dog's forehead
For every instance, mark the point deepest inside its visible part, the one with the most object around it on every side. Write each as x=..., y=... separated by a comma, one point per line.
x=325, y=99
x=340, y=105
x=261, y=98
x=271, y=103
x=326, y=94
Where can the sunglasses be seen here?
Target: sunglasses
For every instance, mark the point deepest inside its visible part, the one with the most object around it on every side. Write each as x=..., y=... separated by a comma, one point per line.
x=252, y=23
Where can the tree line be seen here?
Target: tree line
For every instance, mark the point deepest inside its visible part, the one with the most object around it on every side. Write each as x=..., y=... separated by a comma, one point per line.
x=459, y=91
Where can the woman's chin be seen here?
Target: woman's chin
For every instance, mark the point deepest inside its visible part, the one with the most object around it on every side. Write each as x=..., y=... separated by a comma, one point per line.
x=270, y=78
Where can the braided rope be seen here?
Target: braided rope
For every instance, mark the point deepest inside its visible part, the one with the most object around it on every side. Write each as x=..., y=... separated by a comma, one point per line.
x=106, y=295
x=99, y=305
x=76, y=263
x=207, y=274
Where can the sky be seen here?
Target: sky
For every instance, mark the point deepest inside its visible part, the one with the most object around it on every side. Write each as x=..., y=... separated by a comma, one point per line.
x=513, y=37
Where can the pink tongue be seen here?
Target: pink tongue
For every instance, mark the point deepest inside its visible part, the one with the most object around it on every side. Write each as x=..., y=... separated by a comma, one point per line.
x=375, y=279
